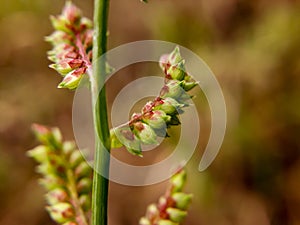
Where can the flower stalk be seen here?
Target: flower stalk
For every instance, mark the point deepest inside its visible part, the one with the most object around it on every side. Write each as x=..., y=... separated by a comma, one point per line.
x=102, y=137
x=66, y=177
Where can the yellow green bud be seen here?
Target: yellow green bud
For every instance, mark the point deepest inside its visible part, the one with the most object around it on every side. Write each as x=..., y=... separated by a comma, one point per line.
x=168, y=105
x=84, y=185
x=172, y=89
x=145, y=133
x=39, y=153
x=56, y=195
x=75, y=158
x=176, y=215
x=124, y=136
x=177, y=71
x=182, y=200
x=174, y=56
x=70, y=81
x=83, y=170
x=61, y=212
x=178, y=180
x=85, y=202
x=156, y=119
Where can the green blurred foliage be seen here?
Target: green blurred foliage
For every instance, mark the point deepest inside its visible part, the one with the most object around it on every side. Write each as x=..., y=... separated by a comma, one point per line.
x=252, y=47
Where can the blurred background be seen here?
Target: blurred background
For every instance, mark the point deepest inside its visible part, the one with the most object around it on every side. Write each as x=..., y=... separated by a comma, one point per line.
x=253, y=49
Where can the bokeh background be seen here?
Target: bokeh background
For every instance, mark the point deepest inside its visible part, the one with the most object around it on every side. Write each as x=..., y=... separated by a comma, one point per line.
x=253, y=48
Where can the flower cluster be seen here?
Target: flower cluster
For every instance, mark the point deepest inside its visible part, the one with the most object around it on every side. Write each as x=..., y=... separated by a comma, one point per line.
x=72, y=43
x=171, y=208
x=161, y=113
x=67, y=177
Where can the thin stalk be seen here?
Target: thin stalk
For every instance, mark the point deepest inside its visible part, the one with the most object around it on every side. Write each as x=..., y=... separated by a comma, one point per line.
x=102, y=158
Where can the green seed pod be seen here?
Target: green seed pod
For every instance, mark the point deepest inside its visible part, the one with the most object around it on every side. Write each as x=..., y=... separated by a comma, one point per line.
x=178, y=181
x=176, y=215
x=156, y=119
x=56, y=195
x=169, y=106
x=172, y=89
x=39, y=153
x=60, y=23
x=182, y=200
x=75, y=158
x=174, y=56
x=83, y=170
x=126, y=137
x=51, y=181
x=70, y=81
x=68, y=147
x=177, y=71
x=62, y=67
x=145, y=133
x=61, y=212
x=187, y=86
x=84, y=185
x=57, y=37
x=85, y=202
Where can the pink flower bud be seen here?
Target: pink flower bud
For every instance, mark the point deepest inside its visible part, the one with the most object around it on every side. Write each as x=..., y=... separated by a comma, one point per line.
x=61, y=212
x=172, y=89
x=145, y=133
x=156, y=119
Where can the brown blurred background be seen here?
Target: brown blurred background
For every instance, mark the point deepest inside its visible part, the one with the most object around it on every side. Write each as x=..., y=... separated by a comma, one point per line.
x=253, y=48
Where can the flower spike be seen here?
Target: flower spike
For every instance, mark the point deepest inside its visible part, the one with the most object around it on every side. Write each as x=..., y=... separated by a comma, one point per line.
x=72, y=43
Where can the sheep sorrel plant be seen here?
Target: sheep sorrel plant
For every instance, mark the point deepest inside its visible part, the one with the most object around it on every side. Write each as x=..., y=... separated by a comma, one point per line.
x=75, y=194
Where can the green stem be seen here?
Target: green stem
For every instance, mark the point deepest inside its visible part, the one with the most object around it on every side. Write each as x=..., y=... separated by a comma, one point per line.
x=102, y=158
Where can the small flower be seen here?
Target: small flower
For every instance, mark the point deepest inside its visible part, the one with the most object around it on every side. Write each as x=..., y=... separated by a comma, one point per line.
x=169, y=105
x=171, y=207
x=172, y=89
x=72, y=45
x=72, y=79
x=145, y=133
x=156, y=119
x=61, y=212
x=177, y=71
x=124, y=136
x=66, y=176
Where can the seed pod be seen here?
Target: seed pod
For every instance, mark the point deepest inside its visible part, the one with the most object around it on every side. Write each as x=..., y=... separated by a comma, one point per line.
x=176, y=215
x=51, y=181
x=85, y=202
x=56, y=195
x=174, y=56
x=71, y=80
x=61, y=212
x=145, y=133
x=172, y=89
x=126, y=137
x=39, y=153
x=178, y=181
x=189, y=85
x=83, y=170
x=177, y=71
x=84, y=185
x=182, y=200
x=168, y=105
x=156, y=119
x=75, y=159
